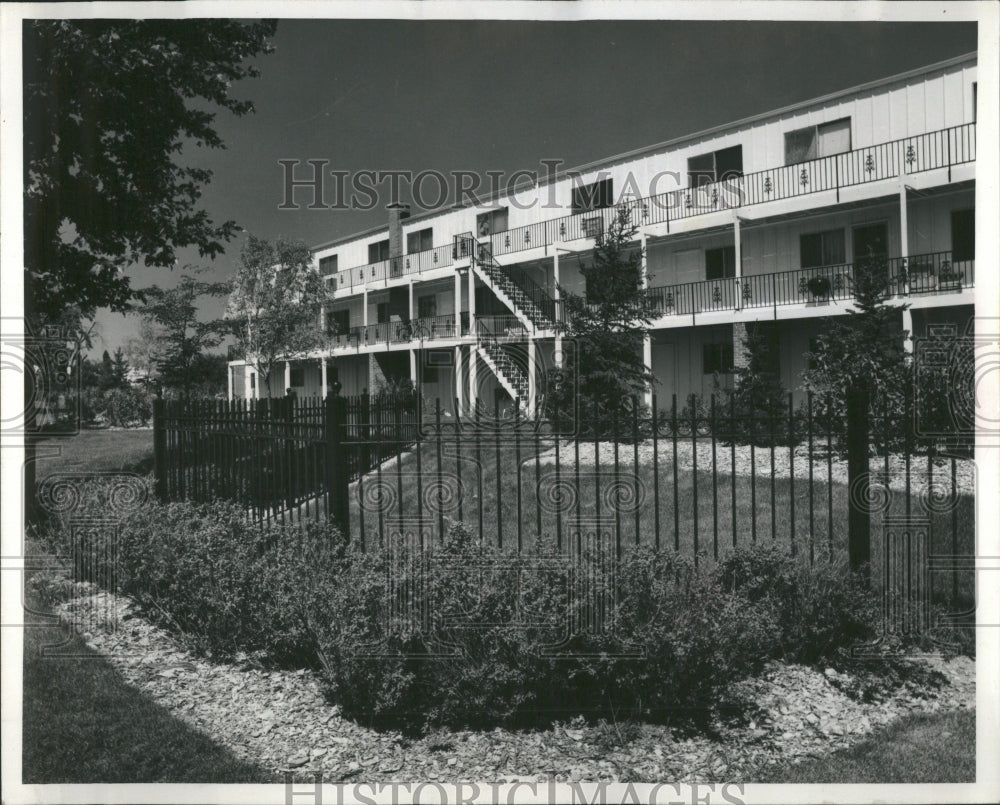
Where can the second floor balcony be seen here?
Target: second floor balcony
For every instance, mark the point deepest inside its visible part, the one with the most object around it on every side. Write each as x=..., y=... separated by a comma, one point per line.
x=943, y=149
x=920, y=274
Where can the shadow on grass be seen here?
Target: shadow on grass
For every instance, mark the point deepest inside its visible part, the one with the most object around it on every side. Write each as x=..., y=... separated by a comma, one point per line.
x=83, y=724
x=938, y=748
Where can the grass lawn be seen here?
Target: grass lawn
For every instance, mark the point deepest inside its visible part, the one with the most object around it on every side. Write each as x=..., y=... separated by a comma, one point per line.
x=938, y=748
x=97, y=451
x=83, y=724
x=689, y=511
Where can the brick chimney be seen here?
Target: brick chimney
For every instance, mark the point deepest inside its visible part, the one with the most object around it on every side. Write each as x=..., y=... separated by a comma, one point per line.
x=397, y=214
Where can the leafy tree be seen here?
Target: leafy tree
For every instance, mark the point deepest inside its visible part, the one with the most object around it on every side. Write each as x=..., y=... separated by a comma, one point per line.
x=608, y=324
x=141, y=350
x=180, y=338
x=275, y=304
x=106, y=114
x=864, y=352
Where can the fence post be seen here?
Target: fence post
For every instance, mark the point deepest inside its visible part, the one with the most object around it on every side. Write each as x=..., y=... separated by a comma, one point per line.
x=288, y=432
x=859, y=518
x=337, y=471
x=159, y=448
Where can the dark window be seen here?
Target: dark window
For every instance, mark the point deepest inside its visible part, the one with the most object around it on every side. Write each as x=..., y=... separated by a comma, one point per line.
x=429, y=374
x=490, y=222
x=426, y=307
x=720, y=263
x=717, y=358
x=297, y=378
x=338, y=322
x=419, y=241
x=814, y=142
x=975, y=101
x=378, y=251
x=594, y=196
x=715, y=166
x=328, y=265
x=822, y=248
x=382, y=312
x=963, y=235
x=253, y=381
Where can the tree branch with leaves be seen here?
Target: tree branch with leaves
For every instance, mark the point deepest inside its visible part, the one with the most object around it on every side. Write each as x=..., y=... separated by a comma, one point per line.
x=275, y=303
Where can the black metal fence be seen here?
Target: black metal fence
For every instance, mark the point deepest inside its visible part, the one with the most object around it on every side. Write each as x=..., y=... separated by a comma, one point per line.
x=279, y=457
x=698, y=477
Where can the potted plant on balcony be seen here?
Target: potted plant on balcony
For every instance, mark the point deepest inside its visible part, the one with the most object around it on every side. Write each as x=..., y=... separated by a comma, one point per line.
x=948, y=277
x=819, y=287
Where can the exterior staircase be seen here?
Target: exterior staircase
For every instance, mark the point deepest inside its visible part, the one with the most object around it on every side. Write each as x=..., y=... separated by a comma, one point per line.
x=530, y=305
x=529, y=301
x=511, y=376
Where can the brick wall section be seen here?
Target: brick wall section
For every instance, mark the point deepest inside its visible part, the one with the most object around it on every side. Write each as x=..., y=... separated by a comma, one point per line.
x=741, y=356
x=397, y=214
x=376, y=377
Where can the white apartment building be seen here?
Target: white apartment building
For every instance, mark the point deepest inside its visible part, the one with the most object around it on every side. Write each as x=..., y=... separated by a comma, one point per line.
x=760, y=220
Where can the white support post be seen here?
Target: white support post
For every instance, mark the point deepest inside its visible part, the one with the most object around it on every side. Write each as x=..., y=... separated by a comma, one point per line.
x=322, y=377
x=288, y=376
x=229, y=380
x=647, y=341
x=459, y=381
x=473, y=348
x=738, y=259
x=364, y=310
x=904, y=227
x=904, y=253
x=557, y=295
x=458, y=304
x=413, y=367
x=532, y=369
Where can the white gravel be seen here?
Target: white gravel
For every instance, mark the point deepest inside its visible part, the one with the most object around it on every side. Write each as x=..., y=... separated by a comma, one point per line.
x=940, y=476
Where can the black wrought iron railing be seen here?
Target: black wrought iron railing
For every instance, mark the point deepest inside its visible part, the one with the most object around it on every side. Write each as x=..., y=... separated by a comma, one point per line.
x=391, y=268
x=527, y=295
x=944, y=148
x=934, y=272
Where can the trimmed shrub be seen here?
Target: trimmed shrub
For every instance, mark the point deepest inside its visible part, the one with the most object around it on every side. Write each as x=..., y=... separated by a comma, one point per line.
x=476, y=638
x=208, y=572
x=466, y=636
x=821, y=610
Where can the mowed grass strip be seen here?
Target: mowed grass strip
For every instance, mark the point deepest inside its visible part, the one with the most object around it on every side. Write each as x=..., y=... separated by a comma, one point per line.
x=97, y=451
x=925, y=748
x=83, y=724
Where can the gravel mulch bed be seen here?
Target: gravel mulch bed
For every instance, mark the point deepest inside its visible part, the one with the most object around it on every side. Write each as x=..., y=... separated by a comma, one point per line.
x=965, y=477
x=281, y=721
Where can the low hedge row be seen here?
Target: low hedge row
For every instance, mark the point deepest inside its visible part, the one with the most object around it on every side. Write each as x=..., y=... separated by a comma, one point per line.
x=468, y=637
x=477, y=639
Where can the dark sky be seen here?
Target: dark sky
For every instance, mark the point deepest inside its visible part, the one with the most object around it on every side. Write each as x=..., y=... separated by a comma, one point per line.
x=496, y=95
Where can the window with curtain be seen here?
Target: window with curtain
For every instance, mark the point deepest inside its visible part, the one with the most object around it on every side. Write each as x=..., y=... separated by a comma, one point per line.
x=815, y=142
x=419, y=241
